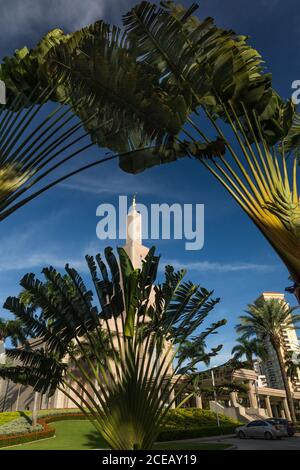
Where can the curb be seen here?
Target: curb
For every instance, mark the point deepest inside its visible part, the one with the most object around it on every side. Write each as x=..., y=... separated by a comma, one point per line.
x=203, y=439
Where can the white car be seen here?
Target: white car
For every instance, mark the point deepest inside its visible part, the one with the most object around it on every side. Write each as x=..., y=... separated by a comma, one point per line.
x=262, y=430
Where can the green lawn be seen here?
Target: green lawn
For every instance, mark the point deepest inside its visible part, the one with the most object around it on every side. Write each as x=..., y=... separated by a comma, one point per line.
x=70, y=435
x=81, y=435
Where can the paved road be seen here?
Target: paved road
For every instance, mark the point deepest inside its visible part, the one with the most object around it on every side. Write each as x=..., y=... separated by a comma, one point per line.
x=289, y=443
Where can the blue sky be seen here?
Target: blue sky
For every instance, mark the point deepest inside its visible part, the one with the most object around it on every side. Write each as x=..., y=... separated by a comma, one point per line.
x=60, y=226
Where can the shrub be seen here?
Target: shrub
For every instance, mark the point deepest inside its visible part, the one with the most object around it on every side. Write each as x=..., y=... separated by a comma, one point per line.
x=19, y=426
x=186, y=418
x=190, y=423
x=58, y=411
x=192, y=433
x=65, y=417
x=44, y=433
x=6, y=417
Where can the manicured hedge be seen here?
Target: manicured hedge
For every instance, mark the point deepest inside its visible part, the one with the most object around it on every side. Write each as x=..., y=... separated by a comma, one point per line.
x=58, y=411
x=65, y=417
x=193, y=433
x=186, y=418
x=8, y=416
x=46, y=432
x=190, y=423
x=18, y=426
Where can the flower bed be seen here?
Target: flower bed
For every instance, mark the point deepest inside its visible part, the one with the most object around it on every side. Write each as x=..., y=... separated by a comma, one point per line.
x=47, y=431
x=19, y=426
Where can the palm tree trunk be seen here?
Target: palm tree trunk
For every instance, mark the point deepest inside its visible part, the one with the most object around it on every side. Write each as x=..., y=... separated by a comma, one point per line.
x=5, y=396
x=34, y=409
x=295, y=289
x=18, y=397
x=288, y=392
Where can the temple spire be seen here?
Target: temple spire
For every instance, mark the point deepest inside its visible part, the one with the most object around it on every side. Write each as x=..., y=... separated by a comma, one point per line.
x=134, y=225
x=134, y=248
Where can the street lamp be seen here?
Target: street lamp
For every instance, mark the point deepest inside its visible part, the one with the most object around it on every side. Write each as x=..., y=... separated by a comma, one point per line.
x=215, y=396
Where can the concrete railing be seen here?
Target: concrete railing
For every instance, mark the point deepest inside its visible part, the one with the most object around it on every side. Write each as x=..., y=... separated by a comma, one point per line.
x=238, y=412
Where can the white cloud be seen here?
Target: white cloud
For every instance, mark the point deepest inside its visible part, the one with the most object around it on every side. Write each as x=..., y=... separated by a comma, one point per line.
x=30, y=248
x=40, y=259
x=205, y=266
x=112, y=184
x=23, y=16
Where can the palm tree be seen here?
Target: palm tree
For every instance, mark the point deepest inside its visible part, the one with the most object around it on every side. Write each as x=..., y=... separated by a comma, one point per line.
x=124, y=387
x=250, y=348
x=15, y=331
x=267, y=319
x=292, y=362
x=179, y=74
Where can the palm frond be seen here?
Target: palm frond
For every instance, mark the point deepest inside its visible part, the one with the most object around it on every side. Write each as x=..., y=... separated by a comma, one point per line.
x=34, y=145
x=291, y=142
x=204, y=63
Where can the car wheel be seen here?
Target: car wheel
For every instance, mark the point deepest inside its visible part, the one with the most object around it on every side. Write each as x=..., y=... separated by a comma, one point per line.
x=268, y=436
x=241, y=435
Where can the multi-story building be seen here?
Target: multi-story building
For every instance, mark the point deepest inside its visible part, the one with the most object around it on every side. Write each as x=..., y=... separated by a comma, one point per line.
x=261, y=378
x=290, y=344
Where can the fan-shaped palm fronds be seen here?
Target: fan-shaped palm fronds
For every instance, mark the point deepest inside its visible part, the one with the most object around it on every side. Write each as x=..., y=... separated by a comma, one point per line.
x=126, y=107
x=189, y=51
x=259, y=180
x=23, y=73
x=267, y=320
x=115, y=360
x=35, y=144
x=203, y=62
x=291, y=143
x=140, y=88
x=217, y=71
x=147, y=81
